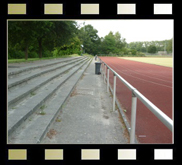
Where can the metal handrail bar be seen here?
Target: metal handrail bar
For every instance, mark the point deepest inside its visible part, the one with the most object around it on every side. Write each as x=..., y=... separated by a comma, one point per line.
x=155, y=110
x=136, y=94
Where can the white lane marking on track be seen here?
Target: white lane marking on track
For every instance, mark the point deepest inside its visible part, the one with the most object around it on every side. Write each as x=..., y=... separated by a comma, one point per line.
x=140, y=78
x=146, y=75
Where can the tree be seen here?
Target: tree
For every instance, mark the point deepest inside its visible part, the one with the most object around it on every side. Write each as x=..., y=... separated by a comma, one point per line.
x=41, y=30
x=72, y=48
x=63, y=31
x=89, y=38
x=120, y=42
x=152, y=49
x=169, y=46
x=109, y=43
x=40, y=34
x=20, y=33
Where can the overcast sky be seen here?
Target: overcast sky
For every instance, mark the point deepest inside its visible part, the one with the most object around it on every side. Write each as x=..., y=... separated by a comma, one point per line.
x=134, y=30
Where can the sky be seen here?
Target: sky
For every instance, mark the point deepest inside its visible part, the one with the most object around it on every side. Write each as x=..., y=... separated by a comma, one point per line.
x=134, y=30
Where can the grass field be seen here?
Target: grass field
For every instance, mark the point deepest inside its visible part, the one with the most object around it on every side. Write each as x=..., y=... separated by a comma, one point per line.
x=163, y=61
x=37, y=59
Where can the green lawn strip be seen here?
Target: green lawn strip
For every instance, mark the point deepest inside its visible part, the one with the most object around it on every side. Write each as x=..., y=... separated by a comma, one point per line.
x=37, y=59
x=165, y=61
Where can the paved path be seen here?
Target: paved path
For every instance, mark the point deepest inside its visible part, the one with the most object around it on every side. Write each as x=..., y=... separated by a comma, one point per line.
x=87, y=116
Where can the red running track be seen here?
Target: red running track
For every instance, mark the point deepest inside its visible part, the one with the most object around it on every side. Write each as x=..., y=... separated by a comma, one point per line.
x=155, y=83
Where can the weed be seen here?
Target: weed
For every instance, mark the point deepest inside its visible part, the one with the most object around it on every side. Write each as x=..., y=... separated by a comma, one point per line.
x=63, y=105
x=124, y=127
x=42, y=113
x=58, y=120
x=51, y=133
x=13, y=108
x=116, y=106
x=66, y=71
x=32, y=93
x=42, y=107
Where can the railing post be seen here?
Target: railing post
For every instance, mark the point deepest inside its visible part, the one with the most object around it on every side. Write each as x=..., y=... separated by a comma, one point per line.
x=114, y=92
x=107, y=79
x=101, y=68
x=104, y=72
x=133, y=118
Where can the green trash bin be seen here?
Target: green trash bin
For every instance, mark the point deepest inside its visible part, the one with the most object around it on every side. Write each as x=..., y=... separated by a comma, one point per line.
x=97, y=67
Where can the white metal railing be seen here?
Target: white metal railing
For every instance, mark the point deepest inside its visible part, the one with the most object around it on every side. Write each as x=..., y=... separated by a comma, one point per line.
x=135, y=94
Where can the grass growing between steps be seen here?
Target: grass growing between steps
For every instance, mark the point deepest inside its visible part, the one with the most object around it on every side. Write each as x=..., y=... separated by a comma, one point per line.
x=32, y=94
x=42, y=110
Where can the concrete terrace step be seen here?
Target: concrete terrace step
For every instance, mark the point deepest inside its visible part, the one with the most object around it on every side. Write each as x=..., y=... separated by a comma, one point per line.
x=16, y=81
x=20, y=93
x=34, y=129
x=36, y=65
x=29, y=105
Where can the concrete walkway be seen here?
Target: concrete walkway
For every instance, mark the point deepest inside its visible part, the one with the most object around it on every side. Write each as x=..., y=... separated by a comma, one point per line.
x=87, y=116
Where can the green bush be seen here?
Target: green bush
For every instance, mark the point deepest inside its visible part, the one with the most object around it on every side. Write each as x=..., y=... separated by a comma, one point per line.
x=55, y=52
x=47, y=53
x=33, y=54
x=78, y=52
x=140, y=54
x=133, y=51
x=121, y=53
x=152, y=49
x=15, y=54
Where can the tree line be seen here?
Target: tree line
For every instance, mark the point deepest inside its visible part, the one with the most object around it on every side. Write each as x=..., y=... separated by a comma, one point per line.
x=41, y=38
x=152, y=46
x=37, y=39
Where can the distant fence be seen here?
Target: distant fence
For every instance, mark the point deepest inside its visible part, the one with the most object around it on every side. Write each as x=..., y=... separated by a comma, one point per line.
x=159, y=54
x=135, y=94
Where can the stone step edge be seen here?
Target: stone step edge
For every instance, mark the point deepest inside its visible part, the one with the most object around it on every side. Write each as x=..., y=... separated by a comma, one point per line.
x=35, y=67
x=38, y=74
x=13, y=101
